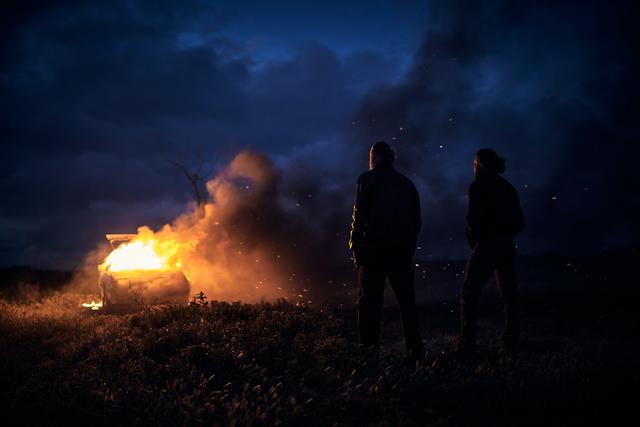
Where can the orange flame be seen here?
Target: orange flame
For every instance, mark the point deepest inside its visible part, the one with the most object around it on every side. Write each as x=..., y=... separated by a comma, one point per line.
x=140, y=255
x=93, y=305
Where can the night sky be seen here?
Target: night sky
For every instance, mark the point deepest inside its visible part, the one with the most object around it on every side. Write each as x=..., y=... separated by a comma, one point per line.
x=96, y=96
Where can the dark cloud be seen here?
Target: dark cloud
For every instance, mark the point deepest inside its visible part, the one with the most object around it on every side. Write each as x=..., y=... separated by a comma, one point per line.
x=95, y=98
x=550, y=86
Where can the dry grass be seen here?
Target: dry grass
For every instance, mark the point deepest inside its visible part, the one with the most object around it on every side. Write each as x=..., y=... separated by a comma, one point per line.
x=269, y=364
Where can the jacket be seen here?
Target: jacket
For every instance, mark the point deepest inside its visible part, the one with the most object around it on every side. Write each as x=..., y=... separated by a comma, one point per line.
x=386, y=213
x=494, y=209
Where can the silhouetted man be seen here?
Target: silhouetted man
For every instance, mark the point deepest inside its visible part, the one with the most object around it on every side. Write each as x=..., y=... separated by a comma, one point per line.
x=494, y=218
x=386, y=222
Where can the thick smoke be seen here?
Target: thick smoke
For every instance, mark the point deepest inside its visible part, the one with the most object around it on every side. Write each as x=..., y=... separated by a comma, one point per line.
x=251, y=240
x=96, y=95
x=551, y=88
x=522, y=78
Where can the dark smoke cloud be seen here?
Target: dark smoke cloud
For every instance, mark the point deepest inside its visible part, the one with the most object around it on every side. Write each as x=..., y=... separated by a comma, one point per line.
x=551, y=86
x=96, y=97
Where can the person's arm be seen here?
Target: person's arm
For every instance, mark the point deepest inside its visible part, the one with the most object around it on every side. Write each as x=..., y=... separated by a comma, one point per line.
x=417, y=211
x=519, y=216
x=474, y=215
x=359, y=218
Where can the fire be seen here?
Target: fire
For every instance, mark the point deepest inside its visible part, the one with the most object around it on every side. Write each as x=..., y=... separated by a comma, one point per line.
x=137, y=255
x=142, y=267
x=93, y=305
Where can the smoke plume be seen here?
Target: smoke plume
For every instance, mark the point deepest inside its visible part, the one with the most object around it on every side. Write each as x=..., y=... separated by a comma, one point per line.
x=524, y=78
x=250, y=240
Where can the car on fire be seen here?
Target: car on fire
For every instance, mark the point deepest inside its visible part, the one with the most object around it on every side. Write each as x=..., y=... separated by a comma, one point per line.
x=122, y=288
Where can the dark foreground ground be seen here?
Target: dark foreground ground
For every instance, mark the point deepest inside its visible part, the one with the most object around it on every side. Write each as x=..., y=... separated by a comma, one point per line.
x=270, y=364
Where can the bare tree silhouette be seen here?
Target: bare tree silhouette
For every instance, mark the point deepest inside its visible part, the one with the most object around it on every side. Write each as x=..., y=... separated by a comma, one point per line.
x=194, y=178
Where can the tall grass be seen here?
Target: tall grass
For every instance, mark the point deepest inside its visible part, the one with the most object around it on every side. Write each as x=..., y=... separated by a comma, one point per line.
x=277, y=363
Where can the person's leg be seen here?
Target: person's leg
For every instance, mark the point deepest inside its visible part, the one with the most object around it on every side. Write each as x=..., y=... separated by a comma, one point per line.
x=477, y=273
x=508, y=288
x=401, y=280
x=371, y=280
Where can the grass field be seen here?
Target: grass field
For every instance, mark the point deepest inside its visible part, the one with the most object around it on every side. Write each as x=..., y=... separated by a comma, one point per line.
x=278, y=363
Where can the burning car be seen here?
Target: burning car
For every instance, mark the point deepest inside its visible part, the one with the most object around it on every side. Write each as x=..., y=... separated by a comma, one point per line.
x=136, y=273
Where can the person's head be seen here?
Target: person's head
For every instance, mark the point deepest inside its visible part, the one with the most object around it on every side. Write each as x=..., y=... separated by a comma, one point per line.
x=488, y=161
x=381, y=153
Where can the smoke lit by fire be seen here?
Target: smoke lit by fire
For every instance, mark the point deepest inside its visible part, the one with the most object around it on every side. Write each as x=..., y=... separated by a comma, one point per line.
x=238, y=245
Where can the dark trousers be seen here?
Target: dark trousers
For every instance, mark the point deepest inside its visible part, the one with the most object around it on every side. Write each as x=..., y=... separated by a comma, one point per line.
x=374, y=267
x=487, y=258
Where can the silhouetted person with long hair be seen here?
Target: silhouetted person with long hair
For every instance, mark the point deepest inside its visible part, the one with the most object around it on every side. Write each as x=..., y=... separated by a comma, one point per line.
x=384, y=231
x=494, y=218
